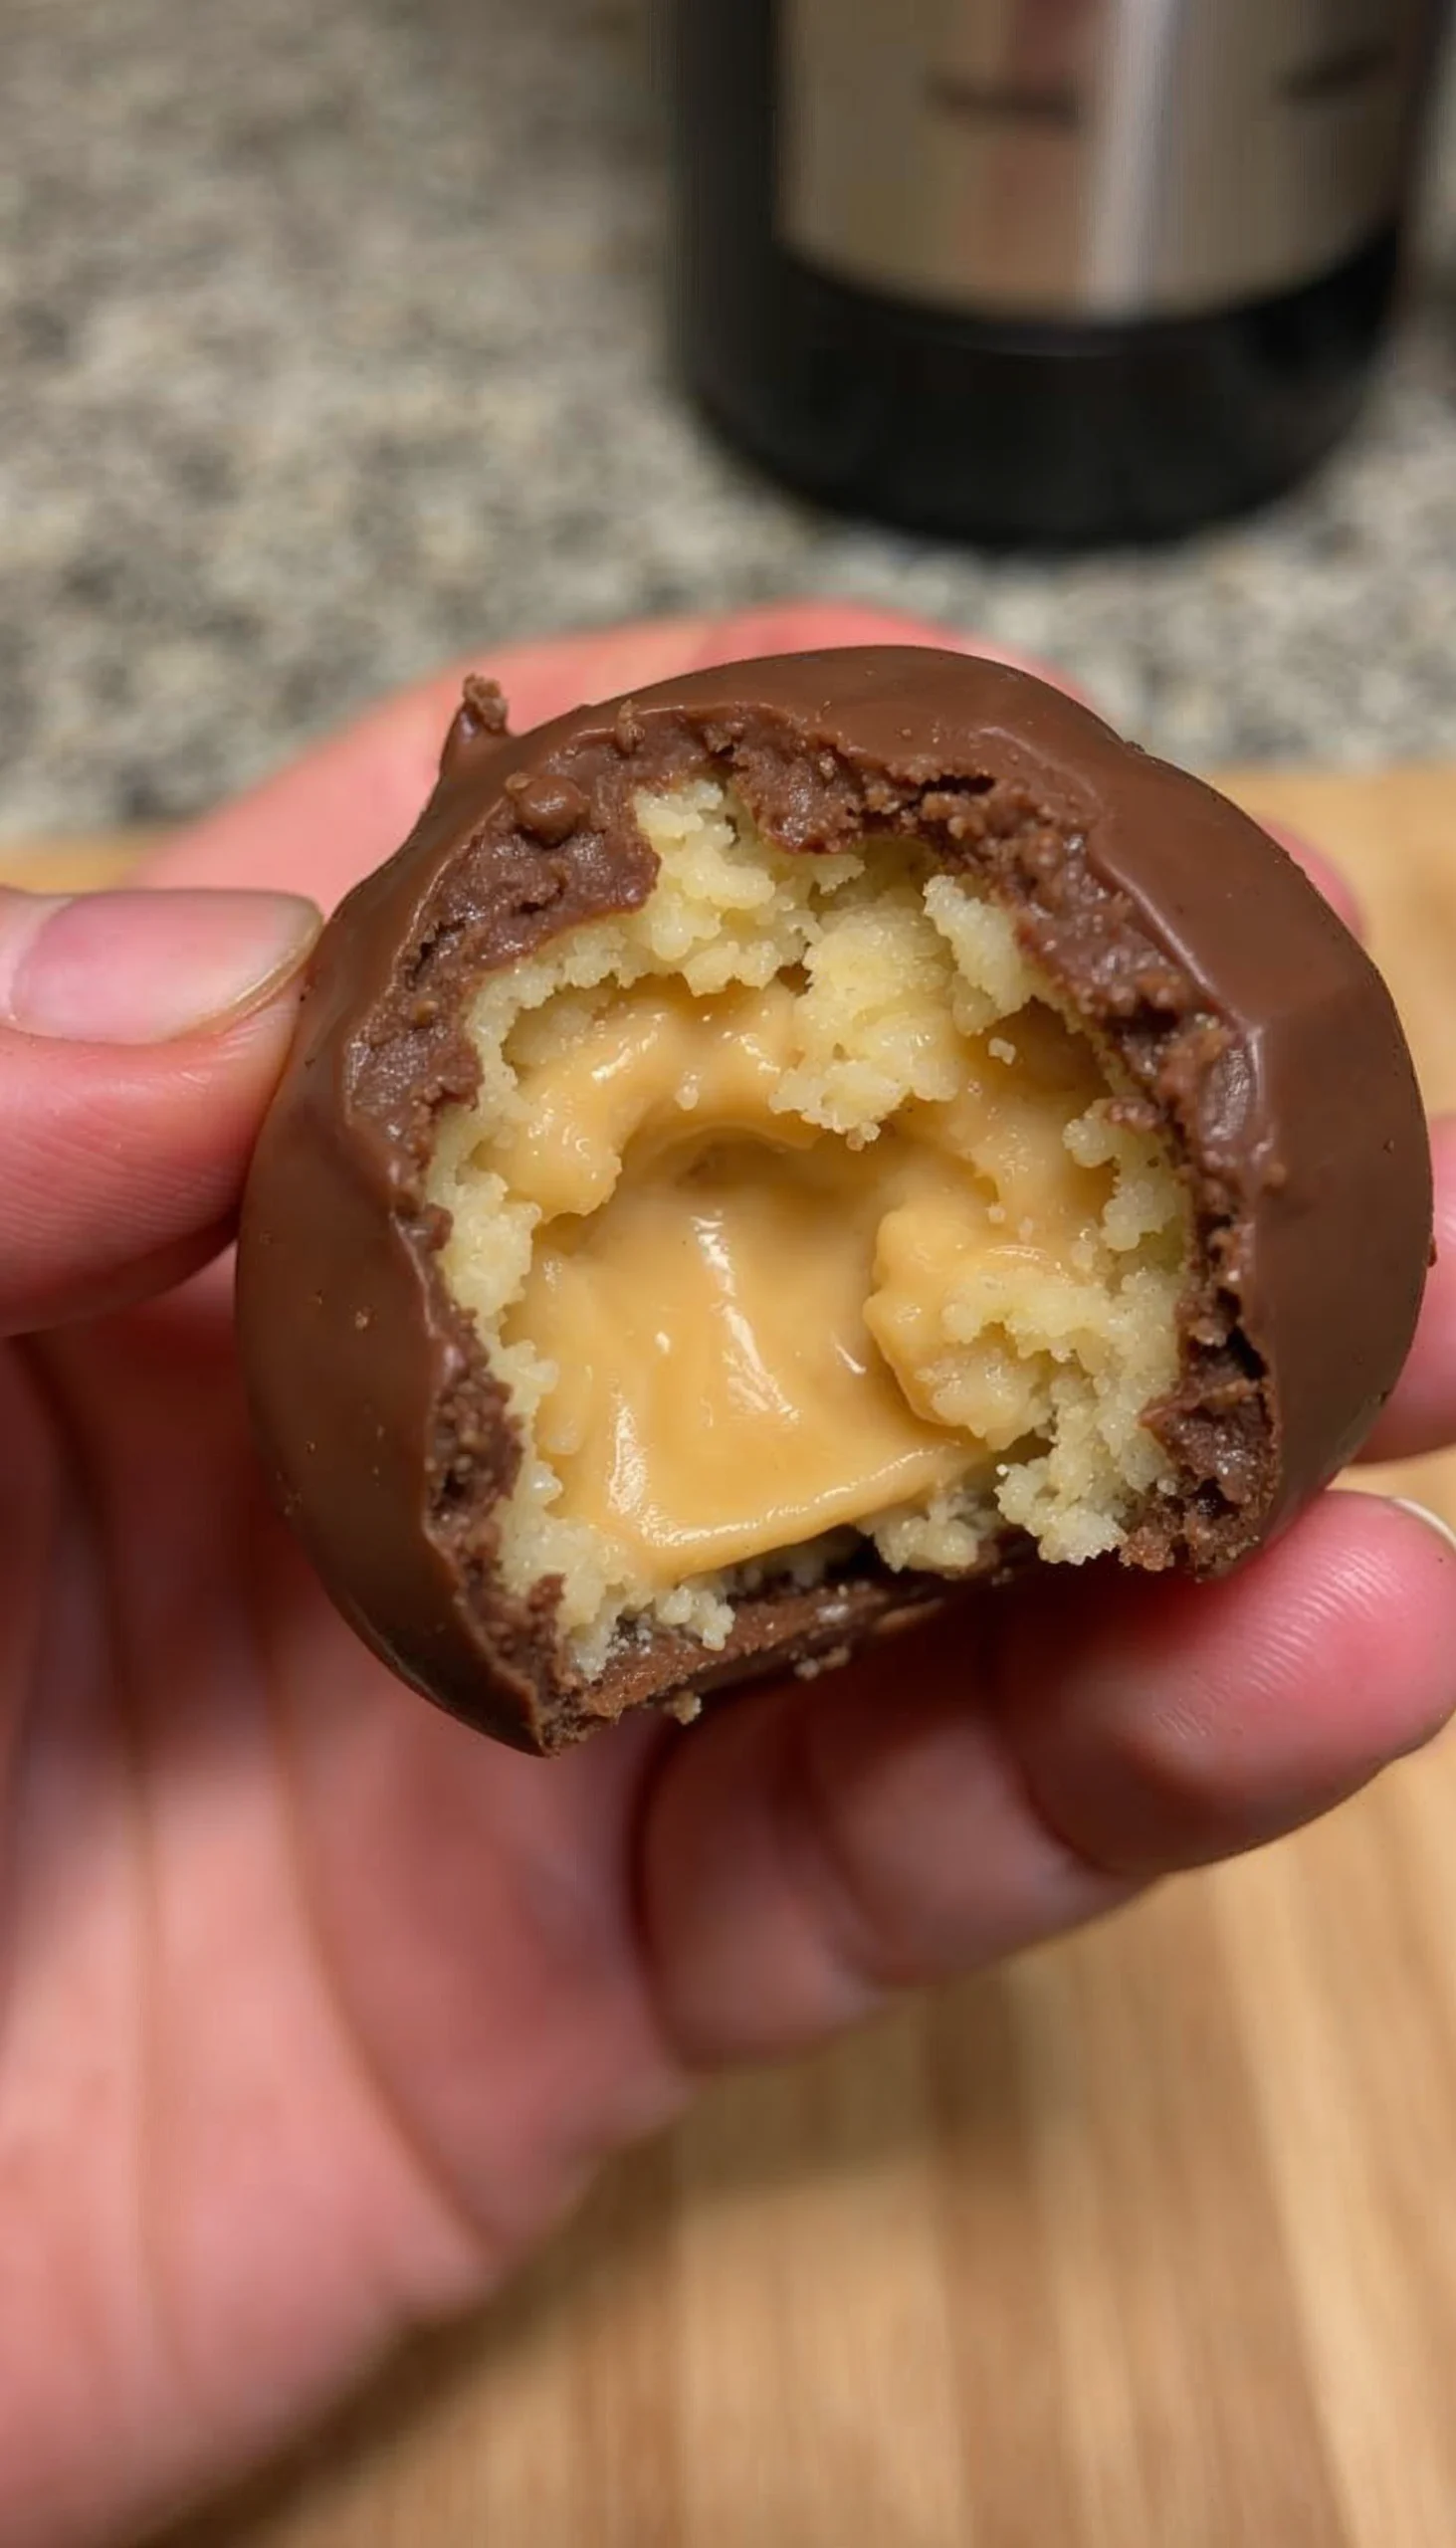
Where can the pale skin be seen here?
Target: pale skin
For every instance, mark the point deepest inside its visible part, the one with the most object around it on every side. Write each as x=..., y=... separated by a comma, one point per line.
x=318, y=2011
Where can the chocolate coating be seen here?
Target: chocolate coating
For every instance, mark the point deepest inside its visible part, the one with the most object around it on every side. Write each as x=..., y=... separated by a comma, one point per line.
x=1255, y=1030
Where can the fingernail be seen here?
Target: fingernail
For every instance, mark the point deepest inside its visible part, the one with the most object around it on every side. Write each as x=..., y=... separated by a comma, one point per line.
x=146, y=968
x=1422, y=1513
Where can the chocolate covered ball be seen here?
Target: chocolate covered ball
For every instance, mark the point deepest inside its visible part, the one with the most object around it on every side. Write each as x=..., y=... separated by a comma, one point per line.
x=813, y=1135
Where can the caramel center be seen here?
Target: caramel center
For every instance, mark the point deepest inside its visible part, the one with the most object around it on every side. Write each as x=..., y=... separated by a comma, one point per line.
x=745, y=1315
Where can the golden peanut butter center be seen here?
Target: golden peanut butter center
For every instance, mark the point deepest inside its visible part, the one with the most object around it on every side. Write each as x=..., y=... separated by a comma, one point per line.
x=791, y=1212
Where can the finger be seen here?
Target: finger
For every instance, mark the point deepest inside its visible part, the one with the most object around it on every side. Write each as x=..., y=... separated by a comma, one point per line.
x=140, y=1037
x=1025, y=1765
x=1163, y=1725
x=321, y=825
x=811, y=1850
x=1421, y=1416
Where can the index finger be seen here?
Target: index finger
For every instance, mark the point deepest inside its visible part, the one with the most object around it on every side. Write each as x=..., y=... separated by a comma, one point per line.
x=1025, y=1764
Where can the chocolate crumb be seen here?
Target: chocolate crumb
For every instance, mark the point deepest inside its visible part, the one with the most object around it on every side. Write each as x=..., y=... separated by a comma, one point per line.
x=549, y=807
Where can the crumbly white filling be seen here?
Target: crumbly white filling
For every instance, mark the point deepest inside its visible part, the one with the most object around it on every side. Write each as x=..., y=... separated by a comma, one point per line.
x=908, y=985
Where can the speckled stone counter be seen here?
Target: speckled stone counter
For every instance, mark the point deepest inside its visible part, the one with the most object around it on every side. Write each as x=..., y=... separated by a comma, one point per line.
x=330, y=347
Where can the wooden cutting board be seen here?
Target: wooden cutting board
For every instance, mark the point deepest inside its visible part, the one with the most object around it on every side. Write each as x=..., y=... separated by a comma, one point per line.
x=1147, y=2243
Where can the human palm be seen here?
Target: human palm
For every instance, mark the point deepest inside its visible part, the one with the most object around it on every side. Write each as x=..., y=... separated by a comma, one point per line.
x=318, y=2009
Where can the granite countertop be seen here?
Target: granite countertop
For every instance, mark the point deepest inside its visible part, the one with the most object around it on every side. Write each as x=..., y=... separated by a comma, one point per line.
x=331, y=348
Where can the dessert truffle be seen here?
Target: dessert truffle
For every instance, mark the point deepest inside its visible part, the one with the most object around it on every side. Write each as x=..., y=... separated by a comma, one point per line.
x=817, y=1134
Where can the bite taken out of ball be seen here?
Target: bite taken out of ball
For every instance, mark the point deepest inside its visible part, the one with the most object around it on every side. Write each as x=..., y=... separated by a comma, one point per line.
x=772, y=1151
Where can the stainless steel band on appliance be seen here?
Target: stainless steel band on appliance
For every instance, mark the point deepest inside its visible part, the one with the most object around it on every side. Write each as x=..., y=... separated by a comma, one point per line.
x=1093, y=158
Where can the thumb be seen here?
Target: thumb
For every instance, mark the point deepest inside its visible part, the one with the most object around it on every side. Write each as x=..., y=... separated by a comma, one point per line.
x=141, y=1034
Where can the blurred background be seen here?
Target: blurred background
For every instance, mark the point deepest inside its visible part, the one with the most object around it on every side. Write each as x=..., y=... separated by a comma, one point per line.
x=333, y=346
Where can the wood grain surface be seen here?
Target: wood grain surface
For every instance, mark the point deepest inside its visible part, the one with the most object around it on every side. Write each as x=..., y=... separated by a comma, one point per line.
x=1149, y=2241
